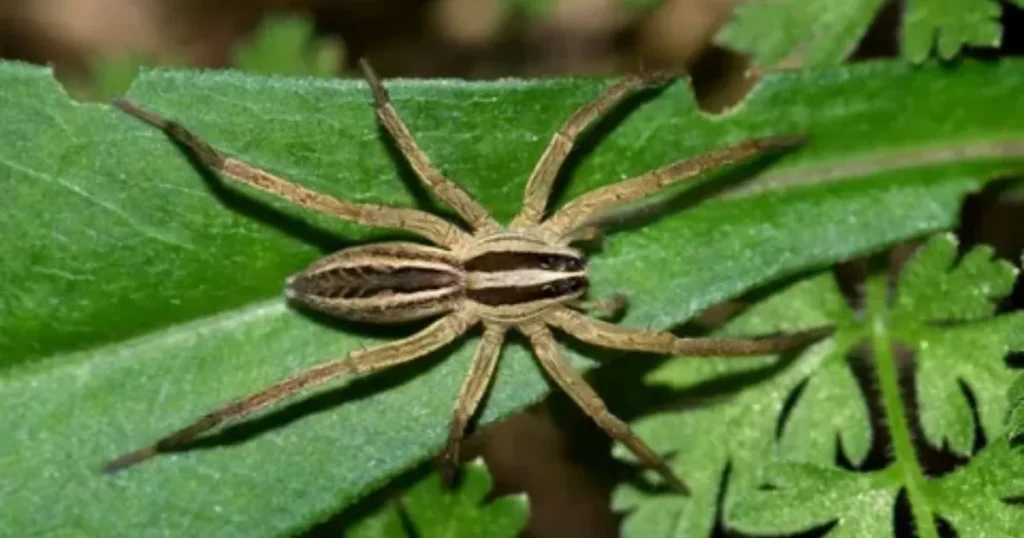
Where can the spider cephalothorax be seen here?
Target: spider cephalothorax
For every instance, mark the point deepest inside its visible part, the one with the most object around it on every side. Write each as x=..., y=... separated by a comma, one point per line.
x=524, y=277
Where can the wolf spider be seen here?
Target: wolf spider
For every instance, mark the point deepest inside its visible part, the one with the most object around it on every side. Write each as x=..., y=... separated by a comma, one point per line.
x=525, y=276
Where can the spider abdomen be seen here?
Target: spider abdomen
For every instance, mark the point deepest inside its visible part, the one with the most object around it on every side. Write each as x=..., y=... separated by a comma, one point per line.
x=384, y=283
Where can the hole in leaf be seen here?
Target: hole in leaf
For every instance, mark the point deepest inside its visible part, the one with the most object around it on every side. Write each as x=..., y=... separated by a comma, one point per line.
x=721, y=80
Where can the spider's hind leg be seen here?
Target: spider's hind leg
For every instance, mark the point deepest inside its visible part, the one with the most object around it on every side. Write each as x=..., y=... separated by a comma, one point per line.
x=586, y=398
x=360, y=362
x=481, y=372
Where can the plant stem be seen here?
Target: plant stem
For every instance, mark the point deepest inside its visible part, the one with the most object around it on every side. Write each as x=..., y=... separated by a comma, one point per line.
x=906, y=464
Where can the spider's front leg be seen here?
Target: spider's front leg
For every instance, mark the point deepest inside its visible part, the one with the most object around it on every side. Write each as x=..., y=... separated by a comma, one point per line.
x=452, y=194
x=542, y=179
x=580, y=211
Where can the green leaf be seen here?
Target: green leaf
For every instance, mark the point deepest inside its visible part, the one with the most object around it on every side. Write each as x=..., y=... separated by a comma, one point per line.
x=434, y=511
x=947, y=26
x=803, y=497
x=109, y=76
x=820, y=32
x=147, y=295
x=290, y=46
x=826, y=32
x=1015, y=416
x=974, y=498
x=935, y=287
x=737, y=429
x=933, y=293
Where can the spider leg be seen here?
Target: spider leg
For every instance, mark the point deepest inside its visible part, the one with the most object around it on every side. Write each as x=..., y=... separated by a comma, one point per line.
x=584, y=233
x=359, y=362
x=606, y=307
x=610, y=335
x=538, y=187
x=481, y=372
x=592, y=204
x=453, y=195
x=432, y=227
x=577, y=388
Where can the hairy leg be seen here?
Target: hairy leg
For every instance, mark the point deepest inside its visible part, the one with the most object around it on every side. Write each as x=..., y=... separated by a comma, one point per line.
x=358, y=362
x=610, y=335
x=481, y=372
x=576, y=387
x=538, y=187
x=452, y=194
x=432, y=227
x=580, y=211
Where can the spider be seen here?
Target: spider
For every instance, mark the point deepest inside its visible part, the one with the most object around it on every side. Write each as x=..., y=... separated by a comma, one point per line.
x=524, y=277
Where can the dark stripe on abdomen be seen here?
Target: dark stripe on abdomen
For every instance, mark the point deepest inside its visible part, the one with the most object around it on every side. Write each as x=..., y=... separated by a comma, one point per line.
x=364, y=282
x=513, y=295
x=491, y=262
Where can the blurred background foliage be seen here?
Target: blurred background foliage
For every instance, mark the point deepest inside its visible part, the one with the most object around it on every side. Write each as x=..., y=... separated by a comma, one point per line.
x=551, y=452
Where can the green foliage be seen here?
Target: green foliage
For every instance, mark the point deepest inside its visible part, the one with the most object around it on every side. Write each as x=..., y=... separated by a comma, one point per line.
x=807, y=496
x=946, y=26
x=109, y=76
x=1015, y=417
x=280, y=46
x=943, y=311
x=289, y=46
x=819, y=32
x=433, y=511
x=542, y=9
x=147, y=294
x=826, y=32
x=974, y=498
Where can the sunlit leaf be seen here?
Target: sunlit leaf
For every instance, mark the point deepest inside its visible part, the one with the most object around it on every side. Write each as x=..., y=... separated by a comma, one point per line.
x=145, y=293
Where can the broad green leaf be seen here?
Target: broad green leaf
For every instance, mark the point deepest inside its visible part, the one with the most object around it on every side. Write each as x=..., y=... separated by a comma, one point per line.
x=826, y=32
x=435, y=512
x=147, y=295
x=289, y=46
x=803, y=497
x=976, y=499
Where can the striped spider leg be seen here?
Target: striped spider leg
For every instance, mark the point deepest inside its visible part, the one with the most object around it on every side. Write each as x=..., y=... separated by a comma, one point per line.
x=525, y=277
